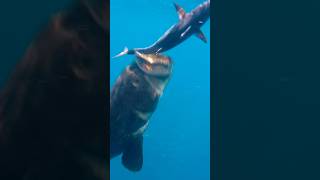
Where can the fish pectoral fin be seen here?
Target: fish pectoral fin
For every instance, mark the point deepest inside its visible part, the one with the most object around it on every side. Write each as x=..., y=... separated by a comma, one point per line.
x=132, y=157
x=181, y=12
x=201, y=36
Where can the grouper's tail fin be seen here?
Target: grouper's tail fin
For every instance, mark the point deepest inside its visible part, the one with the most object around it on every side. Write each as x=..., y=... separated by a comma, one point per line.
x=124, y=52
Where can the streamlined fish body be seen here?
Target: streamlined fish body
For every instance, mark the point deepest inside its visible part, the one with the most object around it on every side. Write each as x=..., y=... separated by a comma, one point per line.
x=189, y=24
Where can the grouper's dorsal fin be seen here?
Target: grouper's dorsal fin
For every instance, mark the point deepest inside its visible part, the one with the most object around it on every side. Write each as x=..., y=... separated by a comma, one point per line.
x=132, y=157
x=181, y=12
x=201, y=36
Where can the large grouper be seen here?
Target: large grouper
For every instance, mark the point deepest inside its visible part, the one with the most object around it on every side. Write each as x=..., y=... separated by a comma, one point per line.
x=133, y=99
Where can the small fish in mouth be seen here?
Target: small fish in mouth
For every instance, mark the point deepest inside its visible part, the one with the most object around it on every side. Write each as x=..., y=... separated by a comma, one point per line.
x=189, y=24
x=154, y=64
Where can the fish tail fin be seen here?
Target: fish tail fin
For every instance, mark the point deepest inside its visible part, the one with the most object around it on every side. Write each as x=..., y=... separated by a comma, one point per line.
x=124, y=52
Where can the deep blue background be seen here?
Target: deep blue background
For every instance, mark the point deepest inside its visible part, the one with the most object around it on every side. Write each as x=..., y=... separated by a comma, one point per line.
x=177, y=142
x=266, y=99
x=20, y=22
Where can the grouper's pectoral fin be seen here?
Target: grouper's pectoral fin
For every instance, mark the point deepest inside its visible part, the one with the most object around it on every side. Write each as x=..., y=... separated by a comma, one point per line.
x=132, y=157
x=201, y=36
x=181, y=12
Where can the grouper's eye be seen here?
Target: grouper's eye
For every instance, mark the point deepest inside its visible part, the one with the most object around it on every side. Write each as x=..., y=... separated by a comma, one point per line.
x=154, y=64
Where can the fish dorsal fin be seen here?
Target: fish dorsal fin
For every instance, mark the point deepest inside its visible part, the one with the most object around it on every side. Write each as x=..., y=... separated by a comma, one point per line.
x=181, y=12
x=201, y=36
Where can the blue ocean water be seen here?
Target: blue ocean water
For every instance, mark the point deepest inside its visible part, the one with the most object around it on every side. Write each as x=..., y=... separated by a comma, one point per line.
x=177, y=142
x=20, y=24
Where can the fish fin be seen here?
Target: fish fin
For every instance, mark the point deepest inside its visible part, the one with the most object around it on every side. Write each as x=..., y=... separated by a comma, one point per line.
x=124, y=52
x=201, y=36
x=132, y=157
x=181, y=12
x=185, y=32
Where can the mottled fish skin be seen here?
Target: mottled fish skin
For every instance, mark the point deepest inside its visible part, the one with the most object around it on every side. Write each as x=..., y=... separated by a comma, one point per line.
x=133, y=99
x=189, y=24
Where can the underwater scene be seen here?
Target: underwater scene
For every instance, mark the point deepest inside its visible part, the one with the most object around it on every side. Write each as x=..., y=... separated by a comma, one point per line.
x=176, y=138
x=14, y=40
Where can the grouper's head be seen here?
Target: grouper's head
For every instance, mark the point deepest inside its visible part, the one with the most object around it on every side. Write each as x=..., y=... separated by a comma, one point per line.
x=156, y=65
x=157, y=69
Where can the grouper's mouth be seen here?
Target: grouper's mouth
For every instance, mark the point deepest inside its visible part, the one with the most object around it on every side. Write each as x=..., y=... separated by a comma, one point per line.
x=154, y=64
